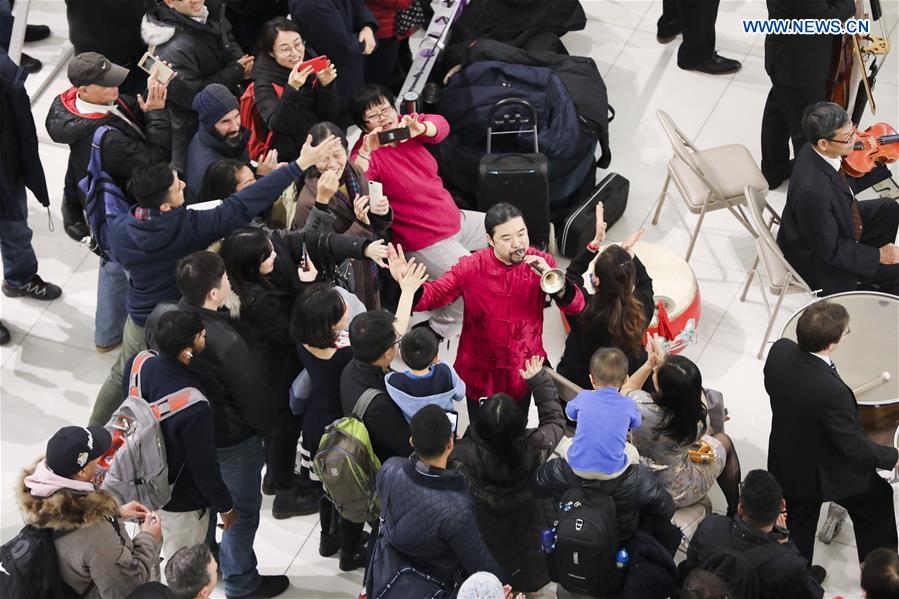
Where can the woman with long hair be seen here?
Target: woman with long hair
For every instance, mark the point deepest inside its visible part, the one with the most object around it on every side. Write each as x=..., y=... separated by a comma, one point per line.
x=498, y=456
x=675, y=436
x=617, y=313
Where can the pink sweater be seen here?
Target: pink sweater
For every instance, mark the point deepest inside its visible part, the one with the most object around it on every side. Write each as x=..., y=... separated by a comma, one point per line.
x=423, y=210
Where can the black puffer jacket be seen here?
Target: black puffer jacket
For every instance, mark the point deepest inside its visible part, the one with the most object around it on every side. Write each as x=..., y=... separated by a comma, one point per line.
x=201, y=53
x=429, y=517
x=510, y=517
x=290, y=117
x=637, y=493
x=123, y=149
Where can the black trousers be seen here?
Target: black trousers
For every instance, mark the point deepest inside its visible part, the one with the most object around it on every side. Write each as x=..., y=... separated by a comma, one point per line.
x=880, y=223
x=872, y=514
x=782, y=124
x=696, y=20
x=381, y=65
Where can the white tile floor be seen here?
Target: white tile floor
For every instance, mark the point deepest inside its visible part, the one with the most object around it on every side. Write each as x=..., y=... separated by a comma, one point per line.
x=50, y=372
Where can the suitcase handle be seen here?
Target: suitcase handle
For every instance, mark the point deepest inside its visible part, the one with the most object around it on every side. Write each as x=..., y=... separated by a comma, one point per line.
x=517, y=102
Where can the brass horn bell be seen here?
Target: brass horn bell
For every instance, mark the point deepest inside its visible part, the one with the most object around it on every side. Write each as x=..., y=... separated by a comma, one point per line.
x=552, y=281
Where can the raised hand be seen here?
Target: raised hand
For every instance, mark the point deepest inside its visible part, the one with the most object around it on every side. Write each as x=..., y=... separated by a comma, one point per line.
x=631, y=240
x=308, y=274
x=309, y=154
x=532, y=367
x=370, y=141
x=414, y=278
x=361, y=206
x=267, y=163
x=538, y=264
x=297, y=78
x=396, y=262
x=327, y=75
x=416, y=127
x=377, y=251
x=600, y=235
x=367, y=38
x=246, y=63
x=379, y=205
x=156, y=95
x=327, y=187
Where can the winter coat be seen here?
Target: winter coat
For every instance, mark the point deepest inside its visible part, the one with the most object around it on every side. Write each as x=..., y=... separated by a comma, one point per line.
x=509, y=515
x=110, y=27
x=637, y=493
x=429, y=517
x=228, y=384
x=341, y=218
x=516, y=21
x=201, y=53
x=21, y=165
x=98, y=550
x=583, y=342
x=503, y=321
x=205, y=148
x=267, y=311
x=387, y=426
x=149, y=248
x=290, y=116
x=579, y=75
x=123, y=149
x=332, y=27
x=385, y=12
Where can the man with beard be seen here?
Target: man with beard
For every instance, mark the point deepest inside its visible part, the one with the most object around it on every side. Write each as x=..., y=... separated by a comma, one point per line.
x=502, y=325
x=220, y=134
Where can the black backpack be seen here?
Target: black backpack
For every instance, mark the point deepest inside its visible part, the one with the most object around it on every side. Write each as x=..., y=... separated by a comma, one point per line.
x=29, y=568
x=738, y=570
x=586, y=528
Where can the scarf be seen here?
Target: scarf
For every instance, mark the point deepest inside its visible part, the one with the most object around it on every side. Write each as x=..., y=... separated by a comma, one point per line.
x=44, y=482
x=202, y=18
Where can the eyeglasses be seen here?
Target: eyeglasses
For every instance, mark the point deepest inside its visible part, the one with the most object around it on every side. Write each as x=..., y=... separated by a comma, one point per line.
x=381, y=114
x=296, y=48
x=843, y=141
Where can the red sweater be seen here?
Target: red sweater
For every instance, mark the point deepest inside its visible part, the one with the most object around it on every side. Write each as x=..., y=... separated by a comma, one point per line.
x=385, y=12
x=423, y=210
x=503, y=321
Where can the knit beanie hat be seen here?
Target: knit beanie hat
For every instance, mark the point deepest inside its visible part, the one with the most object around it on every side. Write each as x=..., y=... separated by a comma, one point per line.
x=212, y=103
x=481, y=585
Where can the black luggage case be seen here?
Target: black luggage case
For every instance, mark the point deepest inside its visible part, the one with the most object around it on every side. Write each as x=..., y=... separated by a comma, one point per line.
x=517, y=178
x=579, y=227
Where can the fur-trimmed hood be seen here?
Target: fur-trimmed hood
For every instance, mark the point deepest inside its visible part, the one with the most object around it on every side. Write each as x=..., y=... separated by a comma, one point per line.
x=64, y=509
x=155, y=32
x=161, y=22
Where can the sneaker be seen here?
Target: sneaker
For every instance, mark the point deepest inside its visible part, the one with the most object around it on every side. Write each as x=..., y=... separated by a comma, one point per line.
x=716, y=65
x=36, y=288
x=293, y=502
x=36, y=33
x=269, y=586
x=817, y=573
x=328, y=544
x=4, y=335
x=105, y=349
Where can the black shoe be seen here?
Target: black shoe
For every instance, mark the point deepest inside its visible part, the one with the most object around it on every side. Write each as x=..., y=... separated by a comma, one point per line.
x=4, y=335
x=292, y=502
x=36, y=288
x=268, y=488
x=817, y=573
x=349, y=562
x=716, y=65
x=665, y=37
x=328, y=544
x=36, y=33
x=30, y=65
x=269, y=586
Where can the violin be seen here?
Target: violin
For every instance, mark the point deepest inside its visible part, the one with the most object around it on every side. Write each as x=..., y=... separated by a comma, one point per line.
x=878, y=144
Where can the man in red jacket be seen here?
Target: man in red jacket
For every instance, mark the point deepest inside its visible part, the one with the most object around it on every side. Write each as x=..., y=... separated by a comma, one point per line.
x=502, y=324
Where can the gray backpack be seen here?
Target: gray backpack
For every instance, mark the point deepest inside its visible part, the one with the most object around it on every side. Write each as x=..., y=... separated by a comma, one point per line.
x=136, y=467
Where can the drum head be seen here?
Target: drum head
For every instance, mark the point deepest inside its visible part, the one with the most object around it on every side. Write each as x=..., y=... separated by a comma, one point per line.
x=870, y=349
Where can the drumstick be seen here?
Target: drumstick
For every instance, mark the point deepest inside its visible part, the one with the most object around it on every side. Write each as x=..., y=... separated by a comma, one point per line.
x=884, y=377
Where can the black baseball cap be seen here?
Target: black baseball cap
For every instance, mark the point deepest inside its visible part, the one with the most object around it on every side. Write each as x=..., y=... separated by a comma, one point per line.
x=72, y=447
x=92, y=68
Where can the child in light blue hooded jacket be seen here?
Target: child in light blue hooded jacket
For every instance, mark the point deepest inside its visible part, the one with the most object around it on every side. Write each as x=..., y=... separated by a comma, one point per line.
x=428, y=381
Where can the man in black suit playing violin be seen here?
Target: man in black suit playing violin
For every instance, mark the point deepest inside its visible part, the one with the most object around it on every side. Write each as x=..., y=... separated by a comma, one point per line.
x=799, y=66
x=835, y=242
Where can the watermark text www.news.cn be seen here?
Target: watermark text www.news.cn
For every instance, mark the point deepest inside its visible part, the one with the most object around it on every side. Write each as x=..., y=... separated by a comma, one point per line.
x=806, y=26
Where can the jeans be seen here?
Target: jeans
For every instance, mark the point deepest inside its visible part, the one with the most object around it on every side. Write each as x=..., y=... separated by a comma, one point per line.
x=111, y=396
x=19, y=261
x=109, y=319
x=241, y=467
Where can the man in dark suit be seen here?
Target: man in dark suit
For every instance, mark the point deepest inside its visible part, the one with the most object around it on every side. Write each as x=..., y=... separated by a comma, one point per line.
x=817, y=449
x=798, y=66
x=835, y=242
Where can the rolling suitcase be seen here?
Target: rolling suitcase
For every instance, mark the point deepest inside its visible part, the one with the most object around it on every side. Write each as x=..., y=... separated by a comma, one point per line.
x=518, y=178
x=579, y=227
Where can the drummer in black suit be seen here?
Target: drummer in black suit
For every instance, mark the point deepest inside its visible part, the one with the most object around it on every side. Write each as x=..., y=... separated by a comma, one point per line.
x=835, y=242
x=798, y=66
x=817, y=449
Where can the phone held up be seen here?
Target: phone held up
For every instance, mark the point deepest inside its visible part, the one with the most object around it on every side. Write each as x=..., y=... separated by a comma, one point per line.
x=164, y=73
x=318, y=64
x=304, y=259
x=392, y=136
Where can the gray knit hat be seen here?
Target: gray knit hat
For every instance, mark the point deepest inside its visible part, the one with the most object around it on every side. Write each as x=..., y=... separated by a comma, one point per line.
x=212, y=103
x=481, y=585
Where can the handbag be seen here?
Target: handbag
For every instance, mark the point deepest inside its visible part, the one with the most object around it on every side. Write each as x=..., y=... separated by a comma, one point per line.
x=701, y=452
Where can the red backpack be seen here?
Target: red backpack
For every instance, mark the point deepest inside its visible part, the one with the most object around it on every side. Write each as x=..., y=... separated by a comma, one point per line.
x=260, y=136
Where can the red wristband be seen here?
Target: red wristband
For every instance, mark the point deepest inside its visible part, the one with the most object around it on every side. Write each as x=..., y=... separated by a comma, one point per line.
x=591, y=247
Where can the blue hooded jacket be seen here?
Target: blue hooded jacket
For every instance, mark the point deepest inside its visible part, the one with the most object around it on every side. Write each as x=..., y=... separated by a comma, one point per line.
x=401, y=387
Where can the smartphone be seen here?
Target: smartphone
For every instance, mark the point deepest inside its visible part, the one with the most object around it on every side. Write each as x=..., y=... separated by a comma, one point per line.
x=392, y=136
x=164, y=72
x=454, y=419
x=375, y=192
x=318, y=64
x=304, y=261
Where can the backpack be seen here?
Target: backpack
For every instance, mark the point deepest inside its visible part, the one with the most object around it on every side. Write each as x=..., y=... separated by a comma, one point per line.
x=390, y=575
x=104, y=200
x=347, y=466
x=586, y=529
x=136, y=467
x=29, y=568
x=260, y=137
x=739, y=570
